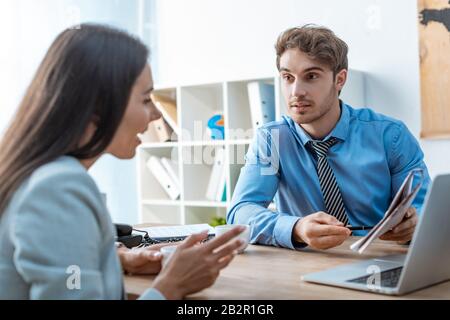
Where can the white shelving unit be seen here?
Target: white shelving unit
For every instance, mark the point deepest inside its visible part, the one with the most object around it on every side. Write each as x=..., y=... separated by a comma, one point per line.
x=194, y=152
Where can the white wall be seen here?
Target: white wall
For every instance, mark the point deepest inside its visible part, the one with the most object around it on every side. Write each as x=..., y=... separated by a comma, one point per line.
x=203, y=40
x=27, y=28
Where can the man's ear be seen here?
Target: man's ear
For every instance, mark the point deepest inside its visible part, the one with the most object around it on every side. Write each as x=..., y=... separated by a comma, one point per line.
x=341, y=79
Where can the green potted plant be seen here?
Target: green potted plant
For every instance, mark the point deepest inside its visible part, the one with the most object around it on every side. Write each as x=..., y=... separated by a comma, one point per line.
x=217, y=221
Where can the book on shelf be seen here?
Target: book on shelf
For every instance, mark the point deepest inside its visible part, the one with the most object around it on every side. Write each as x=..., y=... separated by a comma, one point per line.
x=221, y=194
x=168, y=108
x=262, y=102
x=156, y=167
x=172, y=169
x=217, y=179
x=223, y=198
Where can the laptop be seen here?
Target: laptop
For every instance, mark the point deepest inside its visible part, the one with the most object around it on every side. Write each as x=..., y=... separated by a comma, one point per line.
x=426, y=263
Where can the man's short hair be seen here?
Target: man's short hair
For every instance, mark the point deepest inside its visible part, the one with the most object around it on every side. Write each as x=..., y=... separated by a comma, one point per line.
x=317, y=42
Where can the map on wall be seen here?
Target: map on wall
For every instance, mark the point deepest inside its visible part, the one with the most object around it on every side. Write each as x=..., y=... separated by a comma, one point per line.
x=434, y=34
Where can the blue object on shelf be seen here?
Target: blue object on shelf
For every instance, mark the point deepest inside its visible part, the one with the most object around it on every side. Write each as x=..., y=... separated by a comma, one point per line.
x=216, y=127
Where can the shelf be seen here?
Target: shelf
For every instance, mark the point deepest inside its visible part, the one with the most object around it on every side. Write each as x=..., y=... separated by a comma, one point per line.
x=199, y=105
x=194, y=152
x=149, y=187
x=197, y=163
x=236, y=162
x=240, y=125
x=203, y=143
x=239, y=115
x=156, y=145
x=161, y=214
x=281, y=106
x=161, y=202
x=205, y=204
x=162, y=99
x=196, y=215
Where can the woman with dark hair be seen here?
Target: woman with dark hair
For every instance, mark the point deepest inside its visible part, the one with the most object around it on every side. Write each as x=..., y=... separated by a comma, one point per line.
x=90, y=96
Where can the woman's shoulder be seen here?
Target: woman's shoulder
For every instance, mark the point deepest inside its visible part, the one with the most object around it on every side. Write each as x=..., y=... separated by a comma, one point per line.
x=64, y=169
x=56, y=196
x=59, y=175
x=64, y=179
x=57, y=219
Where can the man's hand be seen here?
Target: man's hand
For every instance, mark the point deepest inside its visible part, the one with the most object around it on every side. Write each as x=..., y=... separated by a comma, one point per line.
x=404, y=231
x=320, y=231
x=141, y=260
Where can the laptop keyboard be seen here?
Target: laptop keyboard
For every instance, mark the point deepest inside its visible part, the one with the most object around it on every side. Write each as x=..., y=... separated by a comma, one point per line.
x=389, y=278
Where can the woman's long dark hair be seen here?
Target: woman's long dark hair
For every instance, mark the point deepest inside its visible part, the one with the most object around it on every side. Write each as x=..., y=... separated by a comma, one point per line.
x=88, y=73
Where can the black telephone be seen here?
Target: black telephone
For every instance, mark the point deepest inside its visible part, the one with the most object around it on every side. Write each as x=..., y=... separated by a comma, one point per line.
x=125, y=235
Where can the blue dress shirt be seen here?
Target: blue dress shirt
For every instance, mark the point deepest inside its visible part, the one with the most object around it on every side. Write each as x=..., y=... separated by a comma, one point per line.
x=372, y=158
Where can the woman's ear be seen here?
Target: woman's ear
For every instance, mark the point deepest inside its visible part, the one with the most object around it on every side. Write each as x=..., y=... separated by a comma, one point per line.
x=95, y=120
x=90, y=131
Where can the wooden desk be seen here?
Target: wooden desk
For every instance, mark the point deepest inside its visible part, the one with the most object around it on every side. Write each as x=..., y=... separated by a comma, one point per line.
x=274, y=273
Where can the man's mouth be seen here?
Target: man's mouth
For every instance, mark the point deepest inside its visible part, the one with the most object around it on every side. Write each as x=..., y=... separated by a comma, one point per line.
x=300, y=107
x=300, y=104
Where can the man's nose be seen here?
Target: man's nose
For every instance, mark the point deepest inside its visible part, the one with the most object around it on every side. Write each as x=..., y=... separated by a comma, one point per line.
x=298, y=90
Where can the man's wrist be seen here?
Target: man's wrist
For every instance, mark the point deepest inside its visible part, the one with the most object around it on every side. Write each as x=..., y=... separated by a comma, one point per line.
x=296, y=239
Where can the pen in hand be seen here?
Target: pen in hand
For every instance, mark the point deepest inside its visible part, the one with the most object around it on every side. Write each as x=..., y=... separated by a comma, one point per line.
x=357, y=228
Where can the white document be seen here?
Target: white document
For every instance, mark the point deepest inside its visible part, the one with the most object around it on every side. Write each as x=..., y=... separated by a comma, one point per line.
x=177, y=231
x=395, y=213
x=221, y=186
x=262, y=102
x=162, y=176
x=218, y=177
x=172, y=170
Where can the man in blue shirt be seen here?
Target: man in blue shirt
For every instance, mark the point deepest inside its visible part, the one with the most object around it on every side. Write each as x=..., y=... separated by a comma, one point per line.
x=327, y=164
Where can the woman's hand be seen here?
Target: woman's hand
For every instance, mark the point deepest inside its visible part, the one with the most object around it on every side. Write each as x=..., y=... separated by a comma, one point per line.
x=195, y=266
x=141, y=260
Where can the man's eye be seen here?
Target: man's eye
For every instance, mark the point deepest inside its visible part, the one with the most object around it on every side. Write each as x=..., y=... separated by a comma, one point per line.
x=286, y=77
x=147, y=101
x=312, y=76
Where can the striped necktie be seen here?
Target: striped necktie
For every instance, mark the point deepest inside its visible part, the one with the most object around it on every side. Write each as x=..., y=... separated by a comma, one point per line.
x=330, y=189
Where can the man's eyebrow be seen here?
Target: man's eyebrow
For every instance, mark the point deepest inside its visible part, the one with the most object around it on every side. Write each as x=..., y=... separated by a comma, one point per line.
x=304, y=71
x=313, y=69
x=148, y=91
